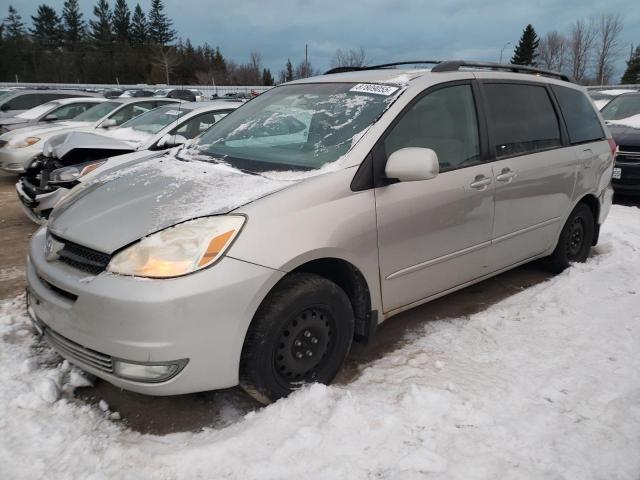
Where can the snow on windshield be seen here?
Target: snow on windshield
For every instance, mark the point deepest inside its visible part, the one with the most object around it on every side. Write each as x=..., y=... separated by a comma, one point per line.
x=540, y=385
x=297, y=127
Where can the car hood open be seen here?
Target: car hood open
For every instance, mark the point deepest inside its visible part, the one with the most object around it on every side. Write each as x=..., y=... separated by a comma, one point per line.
x=125, y=204
x=60, y=145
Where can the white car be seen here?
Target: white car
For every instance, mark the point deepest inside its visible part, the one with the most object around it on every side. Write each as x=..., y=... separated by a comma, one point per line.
x=144, y=137
x=19, y=147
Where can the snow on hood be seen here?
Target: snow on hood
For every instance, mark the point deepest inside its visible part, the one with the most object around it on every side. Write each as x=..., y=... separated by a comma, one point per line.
x=131, y=136
x=125, y=204
x=633, y=122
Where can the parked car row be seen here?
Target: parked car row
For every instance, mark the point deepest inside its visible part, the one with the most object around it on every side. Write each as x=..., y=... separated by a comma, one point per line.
x=259, y=249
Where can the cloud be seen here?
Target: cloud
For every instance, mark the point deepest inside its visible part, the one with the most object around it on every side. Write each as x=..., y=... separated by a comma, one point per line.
x=388, y=31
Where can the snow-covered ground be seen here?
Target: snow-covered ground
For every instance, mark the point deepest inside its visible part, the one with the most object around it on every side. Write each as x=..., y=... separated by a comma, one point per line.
x=543, y=385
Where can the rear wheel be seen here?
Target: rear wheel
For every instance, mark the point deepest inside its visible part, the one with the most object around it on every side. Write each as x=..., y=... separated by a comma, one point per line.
x=301, y=334
x=575, y=239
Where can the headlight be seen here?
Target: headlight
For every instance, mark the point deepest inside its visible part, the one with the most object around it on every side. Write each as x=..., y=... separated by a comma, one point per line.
x=69, y=174
x=23, y=142
x=179, y=250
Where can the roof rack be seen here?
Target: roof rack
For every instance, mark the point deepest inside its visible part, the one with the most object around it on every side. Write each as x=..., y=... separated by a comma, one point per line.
x=455, y=65
x=376, y=67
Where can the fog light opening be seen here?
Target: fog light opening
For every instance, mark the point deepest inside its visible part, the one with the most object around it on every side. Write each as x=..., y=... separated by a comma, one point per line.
x=148, y=372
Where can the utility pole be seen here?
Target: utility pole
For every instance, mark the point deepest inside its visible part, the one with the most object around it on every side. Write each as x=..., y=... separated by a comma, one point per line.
x=306, y=60
x=502, y=51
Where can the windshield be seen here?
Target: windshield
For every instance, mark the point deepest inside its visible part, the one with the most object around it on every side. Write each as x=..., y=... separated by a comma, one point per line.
x=624, y=106
x=161, y=93
x=96, y=113
x=296, y=127
x=36, y=112
x=155, y=120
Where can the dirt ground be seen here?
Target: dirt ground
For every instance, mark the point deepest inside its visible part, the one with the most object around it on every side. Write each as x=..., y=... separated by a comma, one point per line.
x=162, y=415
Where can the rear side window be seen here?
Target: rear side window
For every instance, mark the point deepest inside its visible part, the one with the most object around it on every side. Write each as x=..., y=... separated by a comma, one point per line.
x=522, y=119
x=582, y=121
x=26, y=101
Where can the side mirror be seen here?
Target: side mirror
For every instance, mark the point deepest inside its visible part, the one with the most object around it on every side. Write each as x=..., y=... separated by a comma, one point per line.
x=108, y=123
x=169, y=140
x=412, y=165
x=4, y=107
x=52, y=117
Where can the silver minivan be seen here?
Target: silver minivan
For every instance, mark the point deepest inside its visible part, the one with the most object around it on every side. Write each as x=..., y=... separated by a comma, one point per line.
x=310, y=215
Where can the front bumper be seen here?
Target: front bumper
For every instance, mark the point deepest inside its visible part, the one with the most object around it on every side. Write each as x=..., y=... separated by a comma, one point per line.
x=16, y=160
x=201, y=317
x=36, y=202
x=629, y=181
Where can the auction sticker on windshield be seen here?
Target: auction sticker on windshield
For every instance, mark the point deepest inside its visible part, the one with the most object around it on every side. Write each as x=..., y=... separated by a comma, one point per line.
x=385, y=90
x=173, y=112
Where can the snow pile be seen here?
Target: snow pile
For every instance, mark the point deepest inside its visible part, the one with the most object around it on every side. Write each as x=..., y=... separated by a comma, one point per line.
x=545, y=384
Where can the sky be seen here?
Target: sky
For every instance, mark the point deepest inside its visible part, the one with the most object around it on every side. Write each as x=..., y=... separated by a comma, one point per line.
x=388, y=31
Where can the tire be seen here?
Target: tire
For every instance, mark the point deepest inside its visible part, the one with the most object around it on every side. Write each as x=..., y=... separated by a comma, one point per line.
x=575, y=239
x=300, y=334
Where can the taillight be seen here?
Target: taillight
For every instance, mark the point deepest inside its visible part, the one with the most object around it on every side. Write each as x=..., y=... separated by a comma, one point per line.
x=613, y=146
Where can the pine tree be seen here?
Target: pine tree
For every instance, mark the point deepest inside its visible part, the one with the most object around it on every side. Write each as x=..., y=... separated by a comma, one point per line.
x=101, y=31
x=525, y=52
x=160, y=30
x=13, y=25
x=288, y=76
x=267, y=78
x=47, y=28
x=121, y=21
x=632, y=73
x=74, y=26
x=139, y=30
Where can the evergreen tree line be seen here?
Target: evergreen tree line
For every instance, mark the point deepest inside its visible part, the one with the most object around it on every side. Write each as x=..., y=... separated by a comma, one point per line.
x=116, y=45
x=588, y=51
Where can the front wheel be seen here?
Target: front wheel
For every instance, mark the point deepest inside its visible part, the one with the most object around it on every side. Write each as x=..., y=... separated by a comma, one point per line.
x=300, y=334
x=575, y=239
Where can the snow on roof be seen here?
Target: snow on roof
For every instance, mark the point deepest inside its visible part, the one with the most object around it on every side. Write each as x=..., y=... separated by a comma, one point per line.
x=633, y=122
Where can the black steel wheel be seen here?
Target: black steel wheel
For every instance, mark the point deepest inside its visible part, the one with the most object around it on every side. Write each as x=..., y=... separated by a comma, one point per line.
x=301, y=334
x=575, y=239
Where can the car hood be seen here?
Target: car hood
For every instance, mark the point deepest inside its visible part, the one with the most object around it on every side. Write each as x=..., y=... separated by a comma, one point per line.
x=123, y=205
x=60, y=145
x=46, y=130
x=625, y=135
x=13, y=121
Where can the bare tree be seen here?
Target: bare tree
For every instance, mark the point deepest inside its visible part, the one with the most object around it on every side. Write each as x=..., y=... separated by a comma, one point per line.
x=349, y=58
x=607, y=46
x=581, y=42
x=552, y=51
x=167, y=58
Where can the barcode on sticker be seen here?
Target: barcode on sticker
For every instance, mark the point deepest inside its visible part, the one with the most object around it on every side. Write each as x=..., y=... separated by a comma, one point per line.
x=374, y=88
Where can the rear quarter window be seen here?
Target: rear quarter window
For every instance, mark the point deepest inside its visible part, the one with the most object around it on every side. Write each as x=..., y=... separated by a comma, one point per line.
x=522, y=119
x=579, y=114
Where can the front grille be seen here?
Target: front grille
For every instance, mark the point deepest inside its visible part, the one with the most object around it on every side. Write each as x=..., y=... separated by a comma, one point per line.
x=83, y=258
x=628, y=154
x=629, y=148
x=74, y=351
x=3, y=143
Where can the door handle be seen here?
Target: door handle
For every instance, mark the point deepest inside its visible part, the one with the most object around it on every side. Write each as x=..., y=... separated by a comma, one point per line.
x=587, y=158
x=480, y=182
x=506, y=175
